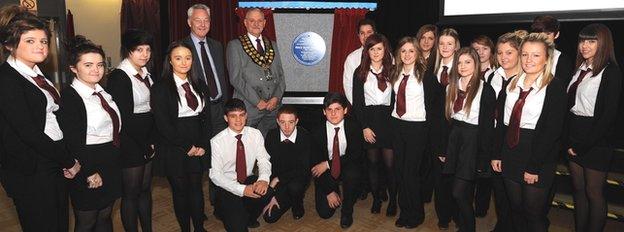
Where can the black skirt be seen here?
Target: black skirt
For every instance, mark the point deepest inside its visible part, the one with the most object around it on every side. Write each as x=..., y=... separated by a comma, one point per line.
x=104, y=159
x=379, y=117
x=515, y=160
x=597, y=157
x=135, y=147
x=177, y=162
x=461, y=155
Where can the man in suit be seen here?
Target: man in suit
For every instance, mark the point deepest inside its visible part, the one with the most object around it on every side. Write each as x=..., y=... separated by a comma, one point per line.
x=208, y=54
x=337, y=160
x=256, y=72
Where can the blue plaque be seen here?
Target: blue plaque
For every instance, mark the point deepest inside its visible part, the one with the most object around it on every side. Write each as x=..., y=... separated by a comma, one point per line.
x=308, y=48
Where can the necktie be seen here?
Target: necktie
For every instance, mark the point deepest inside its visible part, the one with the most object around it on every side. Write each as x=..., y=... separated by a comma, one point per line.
x=259, y=47
x=210, y=79
x=459, y=101
x=513, y=132
x=191, y=100
x=574, y=86
x=241, y=163
x=113, y=115
x=500, y=94
x=483, y=73
x=444, y=78
x=42, y=83
x=143, y=80
x=335, y=162
x=401, y=108
x=287, y=141
x=381, y=81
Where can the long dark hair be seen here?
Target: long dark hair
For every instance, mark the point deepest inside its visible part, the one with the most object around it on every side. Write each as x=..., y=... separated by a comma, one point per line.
x=372, y=40
x=604, y=51
x=453, y=86
x=420, y=67
x=167, y=73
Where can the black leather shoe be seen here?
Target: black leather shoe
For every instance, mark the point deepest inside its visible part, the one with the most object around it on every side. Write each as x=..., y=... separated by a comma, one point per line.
x=253, y=224
x=391, y=211
x=443, y=226
x=376, y=208
x=346, y=221
x=399, y=223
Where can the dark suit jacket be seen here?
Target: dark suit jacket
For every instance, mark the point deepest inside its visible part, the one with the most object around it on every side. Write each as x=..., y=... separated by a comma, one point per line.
x=434, y=106
x=565, y=68
x=289, y=162
x=352, y=156
x=216, y=51
x=22, y=122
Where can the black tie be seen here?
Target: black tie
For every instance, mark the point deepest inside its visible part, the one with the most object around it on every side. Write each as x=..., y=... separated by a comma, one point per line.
x=210, y=80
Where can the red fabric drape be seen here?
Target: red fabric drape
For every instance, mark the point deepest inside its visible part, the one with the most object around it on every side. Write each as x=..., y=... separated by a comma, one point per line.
x=70, y=25
x=269, y=27
x=144, y=14
x=223, y=24
x=344, y=42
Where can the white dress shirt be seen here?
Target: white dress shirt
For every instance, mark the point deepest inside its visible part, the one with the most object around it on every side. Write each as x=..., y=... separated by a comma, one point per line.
x=556, y=54
x=255, y=44
x=473, y=117
x=488, y=72
x=586, y=92
x=342, y=138
x=351, y=63
x=533, y=104
x=223, y=169
x=99, y=122
x=373, y=96
x=51, y=128
x=292, y=137
x=448, y=71
x=140, y=92
x=414, y=99
x=183, y=109
x=211, y=60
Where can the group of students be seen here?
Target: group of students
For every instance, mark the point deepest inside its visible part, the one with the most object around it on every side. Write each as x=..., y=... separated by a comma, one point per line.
x=493, y=113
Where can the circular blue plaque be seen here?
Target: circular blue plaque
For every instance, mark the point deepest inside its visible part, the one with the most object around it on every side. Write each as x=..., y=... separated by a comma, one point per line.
x=308, y=48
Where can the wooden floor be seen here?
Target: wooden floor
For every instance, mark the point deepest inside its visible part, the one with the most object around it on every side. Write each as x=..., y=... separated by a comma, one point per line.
x=164, y=219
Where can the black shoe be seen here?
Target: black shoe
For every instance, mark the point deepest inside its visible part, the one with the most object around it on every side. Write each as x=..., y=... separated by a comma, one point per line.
x=346, y=221
x=443, y=226
x=480, y=214
x=391, y=211
x=399, y=223
x=253, y=224
x=383, y=195
x=363, y=195
x=376, y=208
x=298, y=212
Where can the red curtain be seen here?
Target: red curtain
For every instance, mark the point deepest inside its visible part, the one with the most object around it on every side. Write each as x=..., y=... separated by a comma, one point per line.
x=344, y=42
x=144, y=14
x=269, y=28
x=223, y=24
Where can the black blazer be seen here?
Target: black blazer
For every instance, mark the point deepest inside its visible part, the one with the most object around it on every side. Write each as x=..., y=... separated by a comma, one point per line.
x=216, y=51
x=24, y=144
x=352, y=156
x=547, y=135
x=289, y=162
x=605, y=111
x=434, y=106
x=565, y=68
x=359, y=102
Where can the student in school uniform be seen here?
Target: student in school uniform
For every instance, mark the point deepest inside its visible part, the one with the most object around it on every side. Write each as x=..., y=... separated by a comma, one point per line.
x=372, y=105
x=427, y=37
x=470, y=104
x=91, y=123
x=290, y=148
x=336, y=160
x=366, y=27
x=508, y=57
x=563, y=64
x=593, y=101
x=240, y=195
x=130, y=85
x=183, y=127
x=485, y=48
x=416, y=119
x=33, y=157
x=528, y=131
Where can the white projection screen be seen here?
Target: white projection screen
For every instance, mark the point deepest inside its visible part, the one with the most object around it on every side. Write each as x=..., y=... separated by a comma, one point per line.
x=512, y=11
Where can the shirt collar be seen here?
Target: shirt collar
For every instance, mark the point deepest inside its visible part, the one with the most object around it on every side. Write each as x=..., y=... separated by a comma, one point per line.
x=234, y=134
x=127, y=67
x=330, y=125
x=536, y=85
x=584, y=66
x=196, y=39
x=449, y=65
x=373, y=70
x=253, y=38
x=179, y=82
x=23, y=68
x=83, y=90
x=292, y=137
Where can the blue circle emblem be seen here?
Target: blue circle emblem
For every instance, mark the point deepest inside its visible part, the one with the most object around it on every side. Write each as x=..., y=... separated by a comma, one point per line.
x=308, y=48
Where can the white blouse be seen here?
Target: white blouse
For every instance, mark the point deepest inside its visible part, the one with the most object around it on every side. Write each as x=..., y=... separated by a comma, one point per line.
x=99, y=122
x=533, y=105
x=140, y=92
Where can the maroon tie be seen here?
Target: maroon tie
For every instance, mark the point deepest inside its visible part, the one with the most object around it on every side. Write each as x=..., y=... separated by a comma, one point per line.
x=381, y=81
x=500, y=93
x=42, y=83
x=574, y=86
x=335, y=162
x=241, y=163
x=401, y=109
x=287, y=141
x=113, y=115
x=259, y=47
x=210, y=79
x=191, y=100
x=444, y=78
x=143, y=80
x=459, y=101
x=513, y=132
x=483, y=73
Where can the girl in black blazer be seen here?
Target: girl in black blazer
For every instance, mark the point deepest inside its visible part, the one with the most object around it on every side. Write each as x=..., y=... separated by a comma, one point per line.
x=184, y=129
x=593, y=95
x=372, y=104
x=529, y=128
x=91, y=122
x=130, y=85
x=416, y=117
x=33, y=153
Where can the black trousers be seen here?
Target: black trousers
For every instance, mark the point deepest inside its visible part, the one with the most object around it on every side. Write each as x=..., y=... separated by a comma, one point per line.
x=288, y=195
x=445, y=205
x=350, y=176
x=188, y=200
x=236, y=212
x=501, y=203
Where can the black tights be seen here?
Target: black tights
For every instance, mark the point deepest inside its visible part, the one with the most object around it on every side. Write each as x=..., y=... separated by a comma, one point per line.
x=463, y=194
x=590, y=206
x=374, y=171
x=136, y=201
x=94, y=220
x=188, y=200
x=527, y=206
